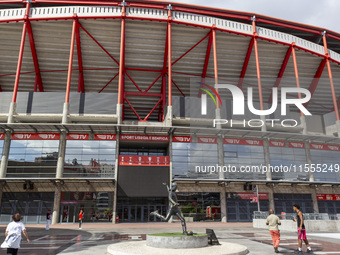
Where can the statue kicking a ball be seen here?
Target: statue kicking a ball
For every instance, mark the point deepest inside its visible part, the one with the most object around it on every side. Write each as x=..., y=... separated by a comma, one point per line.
x=173, y=208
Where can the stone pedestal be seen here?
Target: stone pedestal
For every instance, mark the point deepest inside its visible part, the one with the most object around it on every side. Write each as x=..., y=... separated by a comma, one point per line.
x=179, y=241
x=140, y=248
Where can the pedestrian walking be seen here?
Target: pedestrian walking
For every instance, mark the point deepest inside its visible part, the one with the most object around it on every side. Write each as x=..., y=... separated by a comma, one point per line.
x=93, y=216
x=273, y=222
x=48, y=219
x=13, y=235
x=81, y=216
x=301, y=230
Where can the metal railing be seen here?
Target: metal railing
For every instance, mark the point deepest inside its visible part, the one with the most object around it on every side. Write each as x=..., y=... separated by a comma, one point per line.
x=116, y=11
x=291, y=216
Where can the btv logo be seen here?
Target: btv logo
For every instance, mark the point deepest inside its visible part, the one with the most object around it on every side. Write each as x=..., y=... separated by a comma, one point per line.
x=238, y=100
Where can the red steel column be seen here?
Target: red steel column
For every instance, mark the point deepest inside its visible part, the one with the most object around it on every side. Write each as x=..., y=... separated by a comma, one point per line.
x=257, y=64
x=70, y=61
x=169, y=60
x=206, y=63
x=38, y=80
x=21, y=53
x=121, y=68
x=66, y=108
x=163, y=88
x=81, y=87
x=296, y=71
x=246, y=62
x=302, y=117
x=281, y=72
x=215, y=60
x=330, y=77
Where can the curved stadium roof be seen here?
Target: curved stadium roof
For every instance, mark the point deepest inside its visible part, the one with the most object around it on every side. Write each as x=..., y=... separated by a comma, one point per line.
x=146, y=33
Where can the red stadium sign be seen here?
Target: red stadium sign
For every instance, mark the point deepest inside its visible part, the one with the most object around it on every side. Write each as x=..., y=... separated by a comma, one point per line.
x=296, y=145
x=152, y=138
x=29, y=136
x=133, y=160
x=2, y=136
x=318, y=146
x=77, y=136
x=206, y=139
x=328, y=197
x=105, y=137
x=182, y=139
x=242, y=141
x=277, y=143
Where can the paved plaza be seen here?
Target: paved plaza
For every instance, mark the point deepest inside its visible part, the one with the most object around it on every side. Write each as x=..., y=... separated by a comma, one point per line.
x=67, y=239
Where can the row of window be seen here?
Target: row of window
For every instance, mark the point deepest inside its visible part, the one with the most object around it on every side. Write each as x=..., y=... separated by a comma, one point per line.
x=38, y=158
x=197, y=160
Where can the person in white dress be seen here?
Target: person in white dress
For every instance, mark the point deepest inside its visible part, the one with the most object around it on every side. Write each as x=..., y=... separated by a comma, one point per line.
x=13, y=235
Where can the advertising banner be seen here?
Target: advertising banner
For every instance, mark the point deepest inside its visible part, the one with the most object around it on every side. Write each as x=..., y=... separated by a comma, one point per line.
x=34, y=136
x=105, y=137
x=182, y=139
x=243, y=141
x=153, y=138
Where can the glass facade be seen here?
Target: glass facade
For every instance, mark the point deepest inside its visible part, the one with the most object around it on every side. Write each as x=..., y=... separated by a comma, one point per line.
x=33, y=158
x=329, y=158
x=284, y=156
x=243, y=155
x=200, y=206
x=1, y=146
x=330, y=207
x=94, y=159
x=133, y=209
x=240, y=209
x=33, y=206
x=285, y=202
x=191, y=160
x=97, y=206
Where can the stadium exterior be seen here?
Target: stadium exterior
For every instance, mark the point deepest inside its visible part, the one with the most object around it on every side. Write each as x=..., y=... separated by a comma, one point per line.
x=99, y=107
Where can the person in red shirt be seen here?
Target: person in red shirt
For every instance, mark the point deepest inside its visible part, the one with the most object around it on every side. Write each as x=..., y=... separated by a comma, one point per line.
x=81, y=216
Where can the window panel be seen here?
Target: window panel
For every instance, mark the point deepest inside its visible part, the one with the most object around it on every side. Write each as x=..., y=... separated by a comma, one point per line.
x=326, y=157
x=32, y=158
x=288, y=156
x=186, y=157
x=247, y=155
x=90, y=159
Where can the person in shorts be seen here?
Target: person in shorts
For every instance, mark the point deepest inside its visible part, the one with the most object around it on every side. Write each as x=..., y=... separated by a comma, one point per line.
x=301, y=230
x=273, y=222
